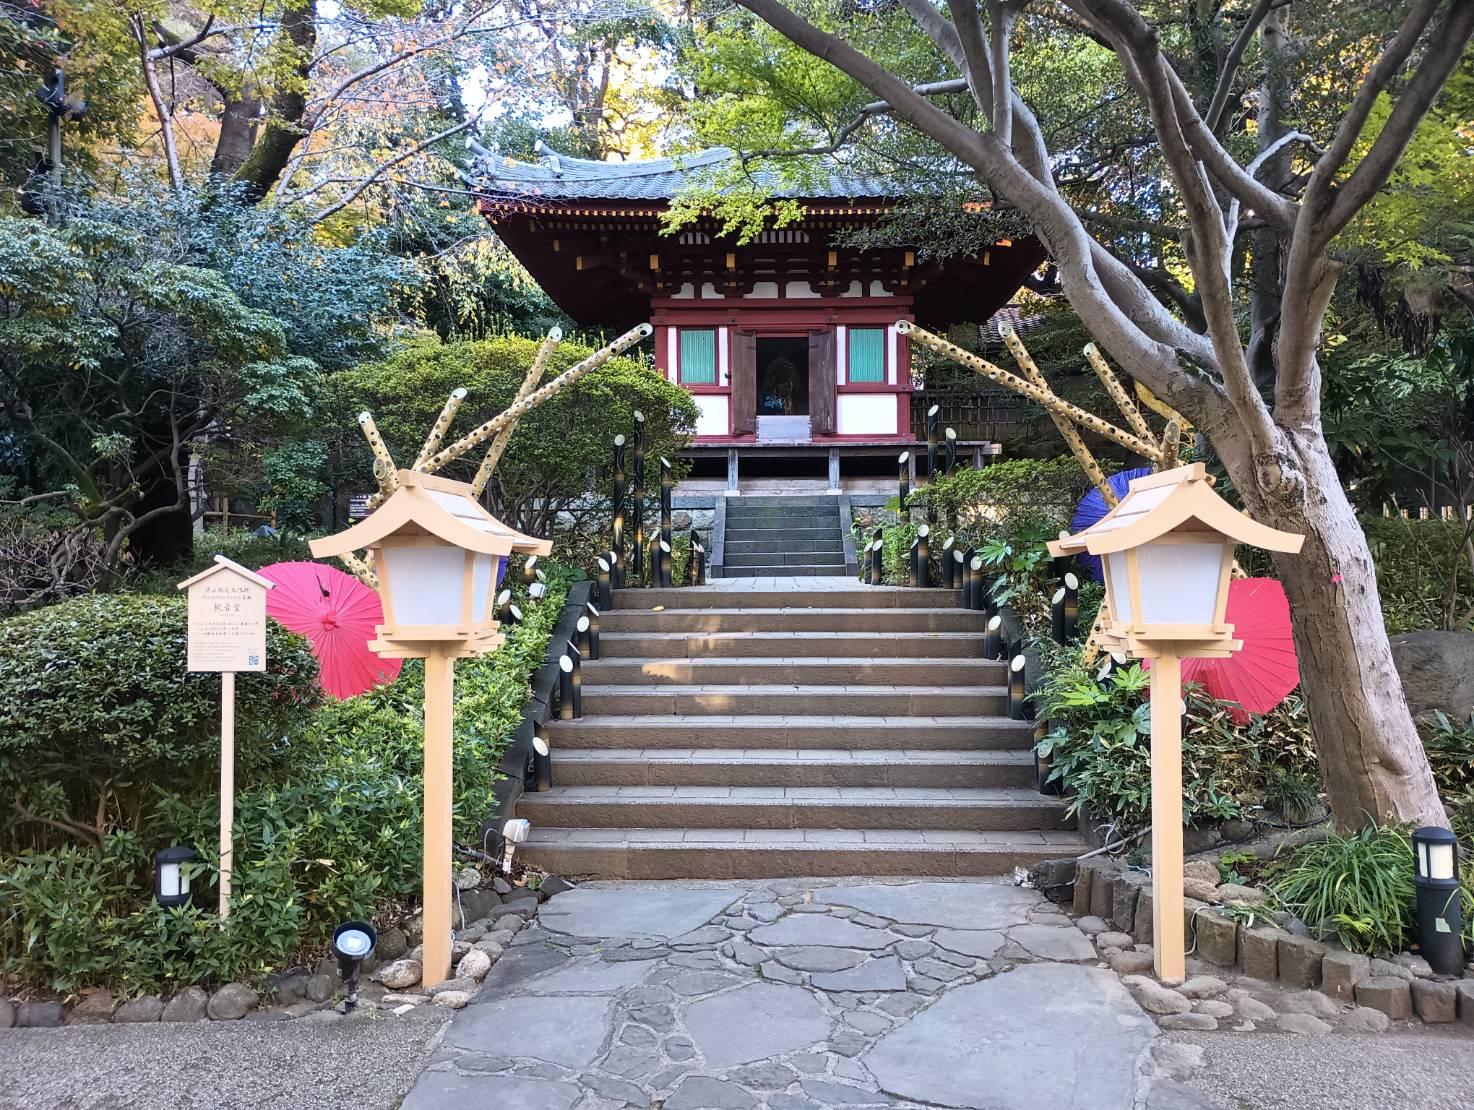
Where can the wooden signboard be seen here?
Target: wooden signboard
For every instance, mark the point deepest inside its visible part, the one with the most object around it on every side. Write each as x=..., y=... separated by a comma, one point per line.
x=227, y=633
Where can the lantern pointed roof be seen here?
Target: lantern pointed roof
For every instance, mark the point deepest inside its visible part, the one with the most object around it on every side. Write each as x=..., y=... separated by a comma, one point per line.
x=1178, y=500
x=557, y=176
x=426, y=503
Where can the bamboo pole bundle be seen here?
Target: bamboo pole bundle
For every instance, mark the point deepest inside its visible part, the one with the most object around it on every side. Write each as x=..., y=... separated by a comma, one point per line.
x=504, y=437
x=473, y=439
x=1028, y=389
x=385, y=472
x=360, y=570
x=441, y=426
x=1117, y=392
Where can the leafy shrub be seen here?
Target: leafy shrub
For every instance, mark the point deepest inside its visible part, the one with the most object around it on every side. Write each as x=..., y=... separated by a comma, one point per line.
x=1359, y=886
x=1011, y=500
x=1099, y=745
x=1450, y=748
x=560, y=450
x=332, y=831
x=95, y=703
x=1424, y=572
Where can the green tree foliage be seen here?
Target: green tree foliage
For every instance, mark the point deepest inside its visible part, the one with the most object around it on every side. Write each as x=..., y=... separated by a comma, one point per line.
x=559, y=452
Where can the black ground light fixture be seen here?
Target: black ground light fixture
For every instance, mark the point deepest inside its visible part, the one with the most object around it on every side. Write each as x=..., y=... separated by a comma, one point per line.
x=617, y=509
x=964, y=573
x=697, y=572
x=513, y=614
x=1064, y=610
x=904, y=478
x=1440, y=915
x=993, y=638
x=951, y=457
x=976, y=567
x=877, y=558
x=542, y=760
x=667, y=488
x=503, y=599
x=913, y=574
x=529, y=570
x=584, y=630
x=949, y=572
x=353, y=942
x=663, y=553
x=923, y=556
x=1017, y=697
x=566, y=688
x=601, y=577
x=171, y=883
x=593, y=615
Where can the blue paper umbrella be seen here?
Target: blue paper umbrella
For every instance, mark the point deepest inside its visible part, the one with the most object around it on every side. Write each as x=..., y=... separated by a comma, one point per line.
x=1092, y=507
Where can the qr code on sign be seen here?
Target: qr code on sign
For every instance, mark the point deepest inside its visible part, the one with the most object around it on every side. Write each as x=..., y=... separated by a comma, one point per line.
x=253, y=660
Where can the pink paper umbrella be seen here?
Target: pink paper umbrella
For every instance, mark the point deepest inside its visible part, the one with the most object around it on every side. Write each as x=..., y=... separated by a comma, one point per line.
x=337, y=613
x=1266, y=670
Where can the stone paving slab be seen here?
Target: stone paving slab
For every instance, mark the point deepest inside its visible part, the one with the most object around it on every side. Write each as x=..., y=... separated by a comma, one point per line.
x=798, y=994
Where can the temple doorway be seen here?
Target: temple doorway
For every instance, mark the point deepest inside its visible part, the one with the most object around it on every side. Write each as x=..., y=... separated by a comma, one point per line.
x=782, y=375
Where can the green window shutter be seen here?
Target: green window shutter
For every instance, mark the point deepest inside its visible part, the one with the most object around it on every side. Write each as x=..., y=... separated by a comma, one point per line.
x=698, y=357
x=867, y=355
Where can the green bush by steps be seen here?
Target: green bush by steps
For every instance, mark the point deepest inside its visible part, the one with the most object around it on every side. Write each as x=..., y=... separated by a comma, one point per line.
x=327, y=804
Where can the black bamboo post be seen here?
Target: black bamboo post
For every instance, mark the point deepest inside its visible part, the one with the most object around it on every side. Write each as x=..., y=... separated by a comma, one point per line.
x=606, y=596
x=513, y=614
x=949, y=571
x=923, y=556
x=529, y=570
x=904, y=479
x=993, y=639
x=593, y=615
x=965, y=576
x=913, y=575
x=1018, y=707
x=664, y=555
x=976, y=566
x=933, y=417
x=638, y=569
x=503, y=600
x=585, y=630
x=617, y=526
x=959, y=568
x=951, y=458
x=1065, y=610
x=542, y=760
x=577, y=657
x=698, y=560
x=667, y=484
x=877, y=558
x=565, y=687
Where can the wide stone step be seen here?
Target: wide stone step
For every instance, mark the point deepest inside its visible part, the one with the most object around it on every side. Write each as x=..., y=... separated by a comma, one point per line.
x=785, y=560
x=738, y=700
x=794, y=807
x=709, y=853
x=781, y=500
x=991, y=733
x=937, y=768
x=778, y=537
x=783, y=512
x=795, y=620
x=851, y=595
x=799, y=645
x=830, y=543
x=791, y=570
x=799, y=671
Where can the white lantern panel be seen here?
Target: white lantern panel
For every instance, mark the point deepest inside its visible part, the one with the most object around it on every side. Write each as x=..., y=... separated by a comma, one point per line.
x=1440, y=861
x=425, y=583
x=1179, y=582
x=172, y=882
x=483, y=582
x=1120, y=587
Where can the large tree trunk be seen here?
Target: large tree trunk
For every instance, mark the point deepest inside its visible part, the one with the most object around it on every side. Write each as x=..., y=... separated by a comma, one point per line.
x=1371, y=757
x=270, y=156
x=238, y=126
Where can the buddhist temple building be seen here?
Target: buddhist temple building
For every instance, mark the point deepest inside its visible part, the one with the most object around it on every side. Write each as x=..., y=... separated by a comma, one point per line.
x=787, y=342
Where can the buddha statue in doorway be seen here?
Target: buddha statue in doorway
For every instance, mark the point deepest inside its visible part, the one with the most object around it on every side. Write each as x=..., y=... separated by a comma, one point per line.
x=780, y=387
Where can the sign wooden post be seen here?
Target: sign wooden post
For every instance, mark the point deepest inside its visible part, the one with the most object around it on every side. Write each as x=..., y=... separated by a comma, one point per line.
x=1168, y=924
x=227, y=633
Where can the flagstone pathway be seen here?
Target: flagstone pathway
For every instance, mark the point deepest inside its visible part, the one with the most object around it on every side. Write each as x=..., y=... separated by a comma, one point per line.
x=800, y=994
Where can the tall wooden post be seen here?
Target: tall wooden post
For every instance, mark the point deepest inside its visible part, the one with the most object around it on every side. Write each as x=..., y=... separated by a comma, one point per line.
x=435, y=898
x=1167, y=924
x=639, y=505
x=227, y=788
x=617, y=569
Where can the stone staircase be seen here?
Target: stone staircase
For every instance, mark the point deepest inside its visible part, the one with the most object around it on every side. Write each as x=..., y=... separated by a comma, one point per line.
x=757, y=733
x=783, y=536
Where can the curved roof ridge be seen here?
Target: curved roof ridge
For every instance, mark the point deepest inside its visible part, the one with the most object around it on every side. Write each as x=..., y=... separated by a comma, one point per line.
x=566, y=166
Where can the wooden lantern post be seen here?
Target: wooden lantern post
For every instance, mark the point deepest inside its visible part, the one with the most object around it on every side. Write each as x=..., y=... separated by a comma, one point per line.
x=1167, y=552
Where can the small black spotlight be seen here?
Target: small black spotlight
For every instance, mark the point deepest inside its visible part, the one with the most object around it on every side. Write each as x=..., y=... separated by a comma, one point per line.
x=1439, y=912
x=353, y=942
x=171, y=883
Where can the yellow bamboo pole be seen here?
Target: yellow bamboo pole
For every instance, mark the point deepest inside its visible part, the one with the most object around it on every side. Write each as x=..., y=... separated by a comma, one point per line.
x=1160, y=407
x=478, y=436
x=529, y=383
x=1044, y=397
x=385, y=472
x=1171, y=444
x=360, y=570
x=1117, y=391
x=1066, y=430
x=442, y=424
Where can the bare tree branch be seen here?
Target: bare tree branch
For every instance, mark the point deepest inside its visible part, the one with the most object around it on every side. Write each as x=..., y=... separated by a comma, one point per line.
x=1231, y=62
